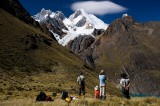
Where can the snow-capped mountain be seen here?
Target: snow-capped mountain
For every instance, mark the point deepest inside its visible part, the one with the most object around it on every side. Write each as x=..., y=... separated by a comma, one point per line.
x=67, y=29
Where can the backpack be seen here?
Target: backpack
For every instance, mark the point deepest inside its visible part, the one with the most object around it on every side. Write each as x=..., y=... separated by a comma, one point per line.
x=64, y=95
x=41, y=96
x=48, y=98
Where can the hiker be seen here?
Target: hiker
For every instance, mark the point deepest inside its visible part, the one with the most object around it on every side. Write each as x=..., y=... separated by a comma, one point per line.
x=96, y=92
x=81, y=83
x=102, y=79
x=125, y=83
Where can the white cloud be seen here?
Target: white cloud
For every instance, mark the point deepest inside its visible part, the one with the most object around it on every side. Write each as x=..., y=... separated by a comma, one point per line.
x=98, y=7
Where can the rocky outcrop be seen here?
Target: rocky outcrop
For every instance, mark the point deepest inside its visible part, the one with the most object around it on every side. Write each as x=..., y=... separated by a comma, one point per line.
x=81, y=22
x=32, y=42
x=60, y=15
x=82, y=46
x=97, y=32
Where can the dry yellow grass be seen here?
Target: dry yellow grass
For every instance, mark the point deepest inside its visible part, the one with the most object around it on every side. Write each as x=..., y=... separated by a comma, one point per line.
x=88, y=101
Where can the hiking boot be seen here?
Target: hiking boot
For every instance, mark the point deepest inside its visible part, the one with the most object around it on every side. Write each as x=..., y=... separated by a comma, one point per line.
x=103, y=98
x=83, y=96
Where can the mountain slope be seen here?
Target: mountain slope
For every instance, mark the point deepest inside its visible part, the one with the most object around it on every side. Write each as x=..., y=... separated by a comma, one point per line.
x=30, y=49
x=32, y=61
x=131, y=47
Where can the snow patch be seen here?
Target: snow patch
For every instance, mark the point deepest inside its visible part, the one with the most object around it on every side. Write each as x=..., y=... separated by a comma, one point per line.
x=124, y=15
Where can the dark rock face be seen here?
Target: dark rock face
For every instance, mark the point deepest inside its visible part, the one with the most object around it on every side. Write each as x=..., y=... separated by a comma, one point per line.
x=86, y=55
x=77, y=13
x=86, y=42
x=76, y=44
x=81, y=46
x=46, y=30
x=80, y=43
x=81, y=22
x=60, y=15
x=97, y=32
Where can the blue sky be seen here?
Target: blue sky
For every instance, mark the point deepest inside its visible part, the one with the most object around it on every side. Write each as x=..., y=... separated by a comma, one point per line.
x=106, y=10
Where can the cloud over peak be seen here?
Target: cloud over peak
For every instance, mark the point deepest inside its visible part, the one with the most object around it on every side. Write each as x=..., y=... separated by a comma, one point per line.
x=98, y=7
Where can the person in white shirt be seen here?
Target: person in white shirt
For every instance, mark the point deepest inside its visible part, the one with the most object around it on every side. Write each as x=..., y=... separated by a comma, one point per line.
x=125, y=84
x=81, y=83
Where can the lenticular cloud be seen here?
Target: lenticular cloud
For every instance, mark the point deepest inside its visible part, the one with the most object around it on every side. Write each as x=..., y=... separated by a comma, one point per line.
x=98, y=7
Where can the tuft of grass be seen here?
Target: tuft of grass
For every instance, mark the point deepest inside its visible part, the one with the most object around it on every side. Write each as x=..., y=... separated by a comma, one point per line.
x=151, y=100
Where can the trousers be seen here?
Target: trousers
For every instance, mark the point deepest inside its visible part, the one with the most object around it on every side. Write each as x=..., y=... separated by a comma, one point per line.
x=102, y=91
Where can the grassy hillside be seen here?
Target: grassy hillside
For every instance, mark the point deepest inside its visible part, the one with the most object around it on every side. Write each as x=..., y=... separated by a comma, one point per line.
x=31, y=61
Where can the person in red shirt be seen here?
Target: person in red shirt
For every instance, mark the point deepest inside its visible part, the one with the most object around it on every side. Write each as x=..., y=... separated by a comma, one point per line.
x=96, y=92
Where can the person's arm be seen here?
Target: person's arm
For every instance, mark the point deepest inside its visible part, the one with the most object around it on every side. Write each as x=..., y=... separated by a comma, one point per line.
x=78, y=79
x=128, y=85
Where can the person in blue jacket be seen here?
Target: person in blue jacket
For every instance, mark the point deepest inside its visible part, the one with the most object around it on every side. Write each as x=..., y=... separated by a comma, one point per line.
x=102, y=79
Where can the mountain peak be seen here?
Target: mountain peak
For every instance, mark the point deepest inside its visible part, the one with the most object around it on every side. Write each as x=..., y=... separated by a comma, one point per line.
x=60, y=15
x=127, y=20
x=44, y=11
x=121, y=24
x=81, y=16
x=124, y=15
x=43, y=14
x=82, y=11
x=78, y=13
